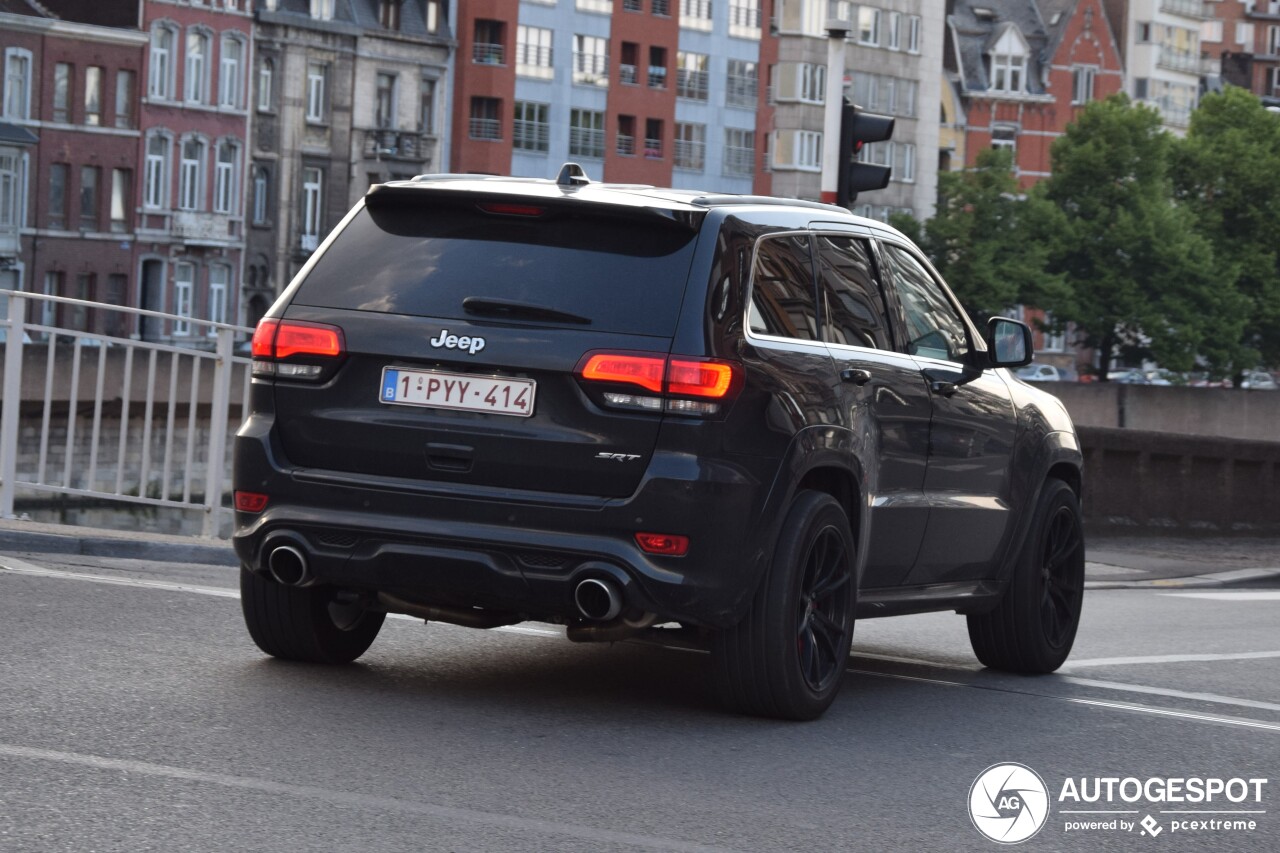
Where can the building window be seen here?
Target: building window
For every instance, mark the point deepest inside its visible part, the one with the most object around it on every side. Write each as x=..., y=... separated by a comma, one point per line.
x=742, y=85
x=312, y=196
x=1005, y=136
x=489, y=45
x=905, y=162
x=695, y=14
x=691, y=75
x=155, y=192
x=389, y=14
x=427, y=102
x=1082, y=83
x=813, y=83
x=1211, y=31
x=17, y=83
x=739, y=152
x=261, y=188
x=93, y=95
x=604, y=7
x=657, y=67
x=868, y=26
x=62, y=92
x=586, y=133
x=121, y=190
x=653, y=138
x=164, y=40
x=322, y=9
x=530, y=131
x=219, y=287
x=894, y=33
x=691, y=146
x=225, y=182
x=184, y=282
x=125, y=80
x=385, y=100
x=317, y=77
x=266, y=81
x=798, y=149
x=590, y=60
x=1008, y=64
x=190, y=173
x=433, y=16
x=626, y=141
x=744, y=18
x=89, y=181
x=913, y=34
x=196, y=70
x=533, y=52
x=230, y=72
x=1273, y=41
x=58, y=173
x=486, y=121
x=10, y=192
x=1244, y=35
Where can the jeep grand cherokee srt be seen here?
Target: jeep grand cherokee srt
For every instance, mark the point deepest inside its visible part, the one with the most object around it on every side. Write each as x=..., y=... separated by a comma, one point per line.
x=490, y=400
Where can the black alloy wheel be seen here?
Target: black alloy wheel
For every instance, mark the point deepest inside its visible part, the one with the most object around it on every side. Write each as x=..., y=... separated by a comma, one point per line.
x=1034, y=626
x=786, y=658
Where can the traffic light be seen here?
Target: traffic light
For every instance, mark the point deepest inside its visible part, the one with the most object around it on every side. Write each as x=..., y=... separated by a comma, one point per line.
x=857, y=128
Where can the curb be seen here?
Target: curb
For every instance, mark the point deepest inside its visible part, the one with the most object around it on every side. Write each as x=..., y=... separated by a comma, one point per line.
x=129, y=549
x=1239, y=577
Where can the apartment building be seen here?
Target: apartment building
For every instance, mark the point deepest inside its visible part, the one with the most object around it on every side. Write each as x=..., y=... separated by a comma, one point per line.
x=664, y=92
x=1243, y=40
x=1160, y=48
x=67, y=204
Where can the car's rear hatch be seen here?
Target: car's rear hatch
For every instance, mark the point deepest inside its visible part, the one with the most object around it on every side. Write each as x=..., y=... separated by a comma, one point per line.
x=464, y=316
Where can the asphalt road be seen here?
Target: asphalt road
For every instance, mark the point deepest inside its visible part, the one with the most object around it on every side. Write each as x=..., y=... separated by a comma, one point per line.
x=137, y=715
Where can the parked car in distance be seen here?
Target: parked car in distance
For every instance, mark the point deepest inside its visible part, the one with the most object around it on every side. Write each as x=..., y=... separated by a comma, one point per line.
x=492, y=400
x=1259, y=380
x=1203, y=379
x=1039, y=373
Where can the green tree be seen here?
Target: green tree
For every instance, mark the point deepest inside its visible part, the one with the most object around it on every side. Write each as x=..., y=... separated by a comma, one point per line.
x=978, y=238
x=1227, y=172
x=1140, y=276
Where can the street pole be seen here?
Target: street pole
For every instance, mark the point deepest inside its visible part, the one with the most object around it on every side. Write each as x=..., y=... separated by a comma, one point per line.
x=837, y=30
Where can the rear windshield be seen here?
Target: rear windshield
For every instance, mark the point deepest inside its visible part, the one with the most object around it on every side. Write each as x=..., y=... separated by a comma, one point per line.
x=622, y=275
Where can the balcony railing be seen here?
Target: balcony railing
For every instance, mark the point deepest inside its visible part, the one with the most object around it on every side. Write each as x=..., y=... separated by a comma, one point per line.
x=394, y=145
x=691, y=84
x=632, y=6
x=628, y=74
x=657, y=77
x=1178, y=60
x=1185, y=8
x=661, y=8
x=196, y=227
x=738, y=161
x=741, y=91
x=584, y=142
x=653, y=149
x=485, y=53
x=690, y=155
x=486, y=128
x=626, y=145
x=530, y=136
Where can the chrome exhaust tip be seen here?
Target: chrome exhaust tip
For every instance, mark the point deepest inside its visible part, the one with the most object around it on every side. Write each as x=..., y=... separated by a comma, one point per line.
x=288, y=566
x=598, y=600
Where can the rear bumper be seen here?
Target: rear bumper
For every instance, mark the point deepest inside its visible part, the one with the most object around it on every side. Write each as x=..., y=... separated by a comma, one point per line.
x=450, y=544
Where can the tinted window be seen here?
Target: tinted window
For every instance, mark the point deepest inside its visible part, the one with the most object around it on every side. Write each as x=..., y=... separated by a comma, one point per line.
x=414, y=258
x=853, y=304
x=782, y=294
x=934, y=328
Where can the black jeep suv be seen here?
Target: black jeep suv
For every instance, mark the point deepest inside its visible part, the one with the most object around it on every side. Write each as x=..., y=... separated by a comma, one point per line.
x=490, y=400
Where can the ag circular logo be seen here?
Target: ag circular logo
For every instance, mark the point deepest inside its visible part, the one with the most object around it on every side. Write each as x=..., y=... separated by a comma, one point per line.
x=1008, y=803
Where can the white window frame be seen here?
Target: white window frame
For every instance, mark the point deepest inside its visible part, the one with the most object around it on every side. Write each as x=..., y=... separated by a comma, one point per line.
x=183, y=290
x=813, y=83
x=219, y=289
x=156, y=171
x=317, y=83
x=1083, y=82
x=261, y=187
x=1008, y=73
x=531, y=127
x=312, y=201
x=231, y=58
x=869, y=23
x=894, y=34
x=590, y=60
x=690, y=149
x=740, y=152
x=387, y=119
x=914, y=23
x=191, y=174
x=534, y=54
x=225, y=177
x=195, y=67
x=17, y=85
x=1245, y=34
x=905, y=160
x=266, y=80
x=161, y=65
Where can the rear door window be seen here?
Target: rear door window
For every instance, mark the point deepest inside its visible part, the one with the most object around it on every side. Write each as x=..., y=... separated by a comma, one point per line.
x=783, y=304
x=852, y=302
x=424, y=257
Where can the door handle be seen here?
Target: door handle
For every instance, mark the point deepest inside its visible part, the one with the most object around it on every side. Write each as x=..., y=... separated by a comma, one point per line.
x=856, y=375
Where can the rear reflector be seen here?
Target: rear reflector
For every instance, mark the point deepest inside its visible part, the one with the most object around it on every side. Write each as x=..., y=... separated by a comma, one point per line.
x=664, y=544
x=250, y=501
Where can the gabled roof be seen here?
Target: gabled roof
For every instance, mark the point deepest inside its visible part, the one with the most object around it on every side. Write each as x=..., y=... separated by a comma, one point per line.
x=364, y=14
x=976, y=25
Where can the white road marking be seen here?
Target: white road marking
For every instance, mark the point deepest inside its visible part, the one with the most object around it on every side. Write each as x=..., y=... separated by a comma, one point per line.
x=1148, y=660
x=1231, y=595
x=20, y=567
x=355, y=800
x=1105, y=569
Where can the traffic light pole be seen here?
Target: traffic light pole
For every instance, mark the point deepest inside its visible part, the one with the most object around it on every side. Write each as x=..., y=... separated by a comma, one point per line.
x=837, y=30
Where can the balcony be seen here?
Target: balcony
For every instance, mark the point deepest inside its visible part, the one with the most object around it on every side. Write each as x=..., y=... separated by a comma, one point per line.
x=395, y=145
x=626, y=145
x=657, y=77
x=1178, y=60
x=653, y=149
x=1186, y=8
x=628, y=75
x=484, y=53
x=1268, y=10
x=691, y=84
x=486, y=128
x=198, y=228
x=661, y=8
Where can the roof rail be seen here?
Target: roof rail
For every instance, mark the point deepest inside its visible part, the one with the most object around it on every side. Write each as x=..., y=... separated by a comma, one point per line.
x=716, y=200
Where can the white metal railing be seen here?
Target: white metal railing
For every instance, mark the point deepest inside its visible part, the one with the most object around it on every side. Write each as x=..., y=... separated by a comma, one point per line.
x=155, y=468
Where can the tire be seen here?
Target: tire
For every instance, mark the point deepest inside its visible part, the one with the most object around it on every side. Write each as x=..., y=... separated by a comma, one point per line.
x=787, y=657
x=1034, y=626
x=305, y=623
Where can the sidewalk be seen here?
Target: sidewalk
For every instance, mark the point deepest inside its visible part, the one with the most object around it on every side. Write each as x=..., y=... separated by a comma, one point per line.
x=1113, y=562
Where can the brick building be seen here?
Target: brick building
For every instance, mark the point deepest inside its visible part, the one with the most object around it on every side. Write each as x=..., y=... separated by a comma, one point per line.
x=1242, y=41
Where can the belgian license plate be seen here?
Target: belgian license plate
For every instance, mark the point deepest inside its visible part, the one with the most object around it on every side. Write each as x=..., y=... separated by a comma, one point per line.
x=462, y=391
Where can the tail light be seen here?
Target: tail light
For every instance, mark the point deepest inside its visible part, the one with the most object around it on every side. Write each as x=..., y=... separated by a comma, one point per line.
x=274, y=341
x=677, y=384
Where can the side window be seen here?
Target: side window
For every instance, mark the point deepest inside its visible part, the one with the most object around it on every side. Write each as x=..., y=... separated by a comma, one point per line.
x=852, y=302
x=782, y=299
x=934, y=327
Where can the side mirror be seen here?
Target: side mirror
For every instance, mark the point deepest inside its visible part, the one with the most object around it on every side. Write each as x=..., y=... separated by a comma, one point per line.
x=1008, y=342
